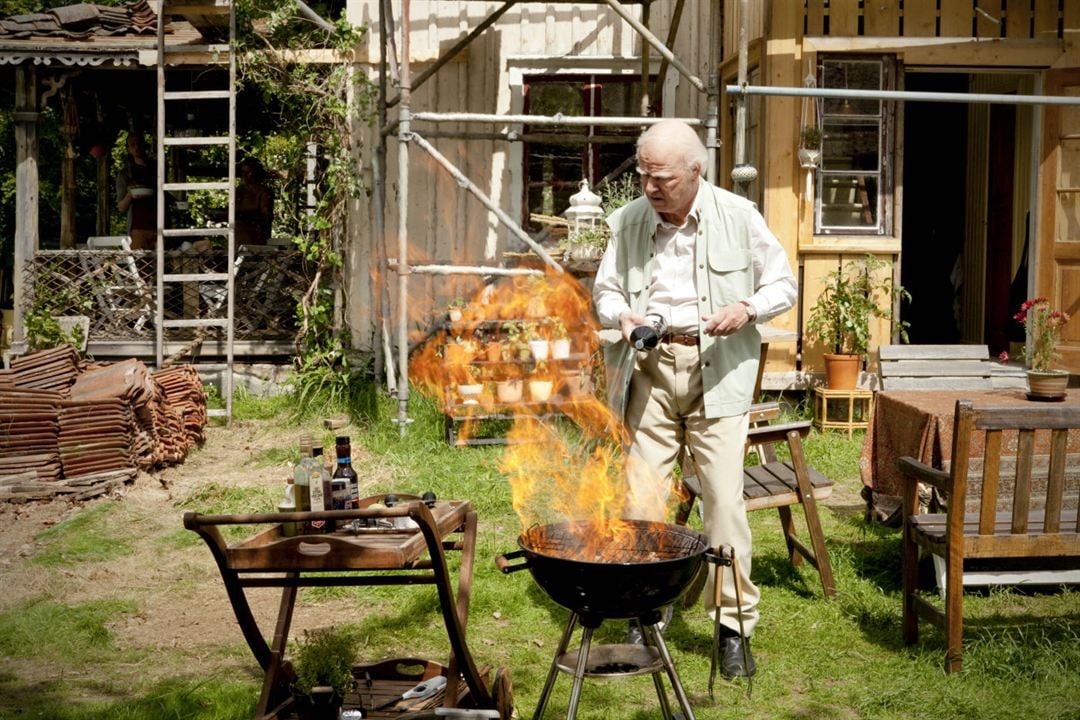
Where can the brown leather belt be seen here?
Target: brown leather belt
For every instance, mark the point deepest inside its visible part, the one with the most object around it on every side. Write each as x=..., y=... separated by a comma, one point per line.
x=691, y=340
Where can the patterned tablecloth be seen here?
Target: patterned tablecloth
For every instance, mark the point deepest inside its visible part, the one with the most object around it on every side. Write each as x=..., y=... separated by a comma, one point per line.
x=919, y=423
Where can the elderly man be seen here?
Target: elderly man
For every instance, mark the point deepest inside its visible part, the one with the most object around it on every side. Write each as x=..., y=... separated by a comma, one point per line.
x=703, y=262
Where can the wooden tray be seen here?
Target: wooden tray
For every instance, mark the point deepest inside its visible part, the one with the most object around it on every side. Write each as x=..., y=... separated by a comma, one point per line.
x=367, y=549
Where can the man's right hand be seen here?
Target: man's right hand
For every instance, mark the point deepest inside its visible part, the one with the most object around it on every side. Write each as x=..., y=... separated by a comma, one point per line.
x=628, y=321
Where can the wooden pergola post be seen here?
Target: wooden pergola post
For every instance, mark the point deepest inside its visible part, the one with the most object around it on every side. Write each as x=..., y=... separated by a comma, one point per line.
x=26, y=182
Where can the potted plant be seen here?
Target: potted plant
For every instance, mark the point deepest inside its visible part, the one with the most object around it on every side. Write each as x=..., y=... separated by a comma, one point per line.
x=323, y=662
x=516, y=341
x=539, y=347
x=1043, y=328
x=576, y=382
x=540, y=383
x=810, y=146
x=493, y=348
x=459, y=351
x=509, y=387
x=454, y=310
x=537, y=289
x=840, y=318
x=559, y=337
x=472, y=387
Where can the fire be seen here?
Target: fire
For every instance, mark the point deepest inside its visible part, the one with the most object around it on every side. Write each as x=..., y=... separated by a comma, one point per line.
x=559, y=472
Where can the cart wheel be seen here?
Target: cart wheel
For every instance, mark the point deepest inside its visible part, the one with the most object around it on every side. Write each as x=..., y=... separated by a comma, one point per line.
x=502, y=693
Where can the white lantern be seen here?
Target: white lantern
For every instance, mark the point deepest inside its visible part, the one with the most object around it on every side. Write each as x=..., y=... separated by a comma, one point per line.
x=584, y=210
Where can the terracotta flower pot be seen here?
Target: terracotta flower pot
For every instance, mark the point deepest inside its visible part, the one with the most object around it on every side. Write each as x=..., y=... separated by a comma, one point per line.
x=493, y=351
x=1047, y=384
x=842, y=371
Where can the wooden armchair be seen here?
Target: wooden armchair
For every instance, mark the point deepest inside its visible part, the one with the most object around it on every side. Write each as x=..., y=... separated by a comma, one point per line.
x=1051, y=533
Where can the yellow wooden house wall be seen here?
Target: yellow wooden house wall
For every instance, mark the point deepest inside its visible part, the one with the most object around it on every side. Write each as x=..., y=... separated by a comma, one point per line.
x=784, y=39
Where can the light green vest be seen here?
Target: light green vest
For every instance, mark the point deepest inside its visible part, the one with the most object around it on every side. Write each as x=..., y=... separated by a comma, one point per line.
x=723, y=274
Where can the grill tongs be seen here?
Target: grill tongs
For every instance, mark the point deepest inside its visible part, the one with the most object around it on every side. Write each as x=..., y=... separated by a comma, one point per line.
x=724, y=556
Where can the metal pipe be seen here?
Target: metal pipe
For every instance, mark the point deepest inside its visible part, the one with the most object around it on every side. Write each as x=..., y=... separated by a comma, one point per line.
x=313, y=16
x=557, y=119
x=546, y=138
x=458, y=47
x=403, y=223
x=378, y=163
x=464, y=269
x=712, y=98
x=644, y=64
x=905, y=95
x=655, y=42
x=673, y=30
x=485, y=201
x=740, y=101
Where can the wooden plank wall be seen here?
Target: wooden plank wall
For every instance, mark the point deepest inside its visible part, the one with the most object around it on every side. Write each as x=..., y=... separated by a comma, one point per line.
x=932, y=18
x=446, y=224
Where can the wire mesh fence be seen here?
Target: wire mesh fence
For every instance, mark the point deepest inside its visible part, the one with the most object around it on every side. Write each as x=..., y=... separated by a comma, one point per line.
x=117, y=289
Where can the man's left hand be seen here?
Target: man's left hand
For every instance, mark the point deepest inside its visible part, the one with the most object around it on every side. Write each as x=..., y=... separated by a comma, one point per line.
x=727, y=320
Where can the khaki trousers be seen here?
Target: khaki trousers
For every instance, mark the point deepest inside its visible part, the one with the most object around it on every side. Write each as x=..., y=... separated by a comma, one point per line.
x=666, y=412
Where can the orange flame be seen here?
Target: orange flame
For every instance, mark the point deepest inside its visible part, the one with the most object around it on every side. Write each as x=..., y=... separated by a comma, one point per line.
x=558, y=472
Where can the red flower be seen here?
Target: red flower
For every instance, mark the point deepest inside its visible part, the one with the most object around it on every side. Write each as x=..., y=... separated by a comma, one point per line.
x=1003, y=357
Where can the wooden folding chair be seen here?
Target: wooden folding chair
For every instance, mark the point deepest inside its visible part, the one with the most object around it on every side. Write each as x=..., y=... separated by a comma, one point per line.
x=779, y=484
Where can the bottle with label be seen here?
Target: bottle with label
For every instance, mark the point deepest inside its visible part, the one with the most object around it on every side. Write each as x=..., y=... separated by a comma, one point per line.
x=288, y=504
x=301, y=475
x=320, y=494
x=345, y=470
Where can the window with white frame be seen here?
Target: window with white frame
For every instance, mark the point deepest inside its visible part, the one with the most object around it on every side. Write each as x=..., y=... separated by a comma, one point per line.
x=854, y=182
x=556, y=158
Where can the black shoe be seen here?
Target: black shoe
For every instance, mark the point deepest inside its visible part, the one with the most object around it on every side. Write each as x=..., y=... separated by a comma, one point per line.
x=633, y=631
x=732, y=662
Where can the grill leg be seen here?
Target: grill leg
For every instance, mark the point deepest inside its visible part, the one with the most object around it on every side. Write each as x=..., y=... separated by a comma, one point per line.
x=579, y=672
x=554, y=670
x=652, y=632
x=658, y=683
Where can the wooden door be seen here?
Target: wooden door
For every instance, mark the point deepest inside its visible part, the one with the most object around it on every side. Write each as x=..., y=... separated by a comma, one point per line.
x=1057, y=257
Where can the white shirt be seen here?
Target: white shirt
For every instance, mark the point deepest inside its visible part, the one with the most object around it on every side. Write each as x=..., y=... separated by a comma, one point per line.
x=673, y=293
x=671, y=287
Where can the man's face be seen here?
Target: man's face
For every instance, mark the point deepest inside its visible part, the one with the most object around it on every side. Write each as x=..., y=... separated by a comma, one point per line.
x=668, y=184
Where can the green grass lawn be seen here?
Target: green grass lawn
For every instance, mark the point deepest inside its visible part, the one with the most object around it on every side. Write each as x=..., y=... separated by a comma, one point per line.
x=817, y=658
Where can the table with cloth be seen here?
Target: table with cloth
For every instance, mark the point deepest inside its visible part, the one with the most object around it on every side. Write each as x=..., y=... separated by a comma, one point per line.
x=919, y=423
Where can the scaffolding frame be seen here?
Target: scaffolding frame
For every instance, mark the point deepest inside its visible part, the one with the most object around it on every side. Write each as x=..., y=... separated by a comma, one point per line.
x=402, y=131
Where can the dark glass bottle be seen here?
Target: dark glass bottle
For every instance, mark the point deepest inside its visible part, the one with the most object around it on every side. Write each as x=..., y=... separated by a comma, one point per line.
x=345, y=470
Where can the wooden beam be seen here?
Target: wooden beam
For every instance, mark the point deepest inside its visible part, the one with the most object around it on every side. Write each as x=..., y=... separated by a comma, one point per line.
x=26, y=182
x=949, y=51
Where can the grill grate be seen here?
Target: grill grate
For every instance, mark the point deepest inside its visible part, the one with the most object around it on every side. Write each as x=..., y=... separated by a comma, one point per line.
x=636, y=542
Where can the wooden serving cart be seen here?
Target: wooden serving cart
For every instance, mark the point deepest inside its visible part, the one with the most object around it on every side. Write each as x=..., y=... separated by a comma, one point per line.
x=340, y=558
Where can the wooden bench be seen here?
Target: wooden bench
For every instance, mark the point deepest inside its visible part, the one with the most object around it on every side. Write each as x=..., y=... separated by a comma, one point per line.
x=1049, y=535
x=935, y=367
x=780, y=484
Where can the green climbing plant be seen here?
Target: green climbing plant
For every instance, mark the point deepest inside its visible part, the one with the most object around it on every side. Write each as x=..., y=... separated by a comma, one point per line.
x=312, y=111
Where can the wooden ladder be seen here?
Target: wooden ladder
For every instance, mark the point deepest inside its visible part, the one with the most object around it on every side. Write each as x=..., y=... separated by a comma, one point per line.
x=177, y=109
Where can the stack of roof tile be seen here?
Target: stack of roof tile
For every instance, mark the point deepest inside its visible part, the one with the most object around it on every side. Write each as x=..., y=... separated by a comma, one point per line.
x=83, y=20
x=103, y=423
x=184, y=392
x=95, y=436
x=53, y=369
x=28, y=434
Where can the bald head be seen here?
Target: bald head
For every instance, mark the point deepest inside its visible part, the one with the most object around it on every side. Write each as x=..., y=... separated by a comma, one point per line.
x=677, y=141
